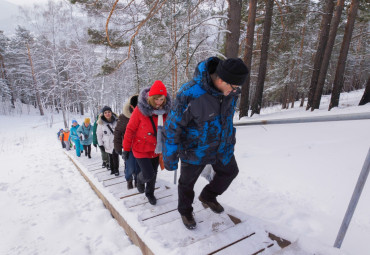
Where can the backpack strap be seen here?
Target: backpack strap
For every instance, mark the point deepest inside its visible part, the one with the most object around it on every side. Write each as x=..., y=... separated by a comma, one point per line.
x=155, y=130
x=111, y=130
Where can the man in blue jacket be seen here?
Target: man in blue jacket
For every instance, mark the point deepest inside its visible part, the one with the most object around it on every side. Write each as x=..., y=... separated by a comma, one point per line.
x=199, y=130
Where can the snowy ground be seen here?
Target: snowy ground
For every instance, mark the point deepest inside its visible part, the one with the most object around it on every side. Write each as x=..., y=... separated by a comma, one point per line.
x=299, y=177
x=47, y=207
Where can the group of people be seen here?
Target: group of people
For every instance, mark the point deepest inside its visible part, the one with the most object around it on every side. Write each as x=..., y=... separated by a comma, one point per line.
x=79, y=136
x=197, y=128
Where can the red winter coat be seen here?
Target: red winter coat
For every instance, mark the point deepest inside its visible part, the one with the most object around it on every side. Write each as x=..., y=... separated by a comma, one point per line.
x=139, y=135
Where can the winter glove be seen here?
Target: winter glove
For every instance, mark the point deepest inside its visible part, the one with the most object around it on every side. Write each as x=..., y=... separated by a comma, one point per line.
x=119, y=152
x=95, y=145
x=125, y=155
x=102, y=148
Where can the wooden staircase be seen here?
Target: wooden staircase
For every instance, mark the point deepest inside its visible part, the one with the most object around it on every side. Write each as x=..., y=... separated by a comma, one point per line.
x=159, y=230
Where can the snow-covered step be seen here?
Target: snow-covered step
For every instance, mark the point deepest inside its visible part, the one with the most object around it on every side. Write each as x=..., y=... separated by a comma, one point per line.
x=114, y=181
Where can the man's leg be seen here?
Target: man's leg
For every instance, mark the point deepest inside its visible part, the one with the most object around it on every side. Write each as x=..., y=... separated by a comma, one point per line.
x=222, y=179
x=188, y=177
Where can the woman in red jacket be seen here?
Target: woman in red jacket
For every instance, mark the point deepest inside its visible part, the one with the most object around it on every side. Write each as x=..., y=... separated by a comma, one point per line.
x=141, y=135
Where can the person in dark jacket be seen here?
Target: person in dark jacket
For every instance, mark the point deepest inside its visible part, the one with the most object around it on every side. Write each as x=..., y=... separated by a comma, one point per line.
x=131, y=165
x=142, y=138
x=199, y=130
x=104, y=155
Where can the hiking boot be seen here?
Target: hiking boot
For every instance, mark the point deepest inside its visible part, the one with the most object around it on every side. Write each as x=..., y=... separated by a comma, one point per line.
x=116, y=173
x=129, y=185
x=140, y=187
x=88, y=155
x=112, y=171
x=213, y=205
x=189, y=221
x=104, y=165
x=152, y=199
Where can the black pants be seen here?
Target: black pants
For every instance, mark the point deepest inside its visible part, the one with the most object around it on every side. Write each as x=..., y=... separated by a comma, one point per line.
x=113, y=162
x=148, y=173
x=87, y=149
x=189, y=175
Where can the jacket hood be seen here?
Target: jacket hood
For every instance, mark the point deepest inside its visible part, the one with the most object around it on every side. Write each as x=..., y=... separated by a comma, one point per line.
x=146, y=109
x=126, y=107
x=102, y=119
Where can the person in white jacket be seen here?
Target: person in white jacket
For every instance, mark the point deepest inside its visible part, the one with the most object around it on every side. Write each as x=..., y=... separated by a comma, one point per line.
x=107, y=121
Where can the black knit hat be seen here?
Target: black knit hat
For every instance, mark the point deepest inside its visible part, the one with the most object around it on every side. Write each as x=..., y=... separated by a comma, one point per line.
x=106, y=108
x=232, y=71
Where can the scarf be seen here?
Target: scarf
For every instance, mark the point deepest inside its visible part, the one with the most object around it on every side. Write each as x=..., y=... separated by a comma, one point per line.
x=158, y=148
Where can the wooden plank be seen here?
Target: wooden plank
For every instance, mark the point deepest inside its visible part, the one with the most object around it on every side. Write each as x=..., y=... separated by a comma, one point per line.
x=221, y=239
x=98, y=170
x=114, y=181
x=130, y=202
x=208, y=223
x=107, y=176
x=170, y=216
x=249, y=245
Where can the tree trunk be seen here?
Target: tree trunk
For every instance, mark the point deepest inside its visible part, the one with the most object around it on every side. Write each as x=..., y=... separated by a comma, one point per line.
x=233, y=25
x=37, y=92
x=300, y=63
x=338, y=80
x=257, y=100
x=302, y=100
x=244, y=98
x=82, y=108
x=7, y=82
x=327, y=55
x=366, y=97
x=324, y=32
x=136, y=68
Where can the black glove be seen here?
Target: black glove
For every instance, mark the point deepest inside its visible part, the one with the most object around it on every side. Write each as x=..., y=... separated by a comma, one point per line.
x=102, y=148
x=119, y=152
x=125, y=155
x=95, y=145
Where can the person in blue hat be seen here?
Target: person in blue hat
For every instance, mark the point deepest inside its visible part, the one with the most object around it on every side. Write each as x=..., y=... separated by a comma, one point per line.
x=75, y=139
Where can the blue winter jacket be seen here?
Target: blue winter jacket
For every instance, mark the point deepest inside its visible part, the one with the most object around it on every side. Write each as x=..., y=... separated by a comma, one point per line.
x=199, y=128
x=73, y=135
x=87, y=132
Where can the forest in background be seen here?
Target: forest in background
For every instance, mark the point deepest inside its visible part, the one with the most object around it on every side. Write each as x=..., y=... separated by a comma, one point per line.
x=78, y=55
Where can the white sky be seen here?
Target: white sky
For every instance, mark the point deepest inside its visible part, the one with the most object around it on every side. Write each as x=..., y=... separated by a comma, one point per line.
x=28, y=2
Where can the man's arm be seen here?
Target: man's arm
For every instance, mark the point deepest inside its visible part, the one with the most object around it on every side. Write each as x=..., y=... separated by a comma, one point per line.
x=175, y=123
